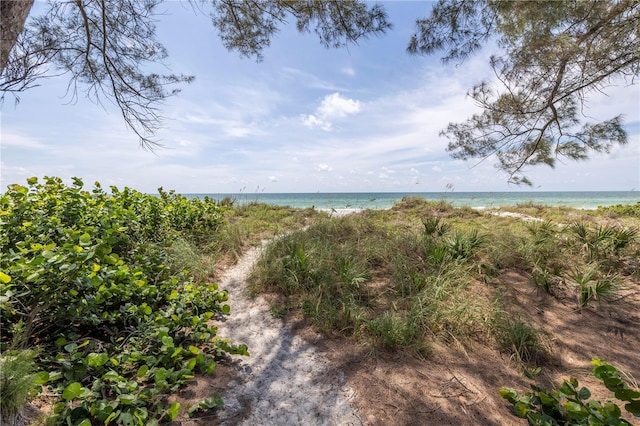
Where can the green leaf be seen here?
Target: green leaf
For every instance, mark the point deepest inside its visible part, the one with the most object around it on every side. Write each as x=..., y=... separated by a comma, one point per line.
x=33, y=277
x=633, y=407
x=509, y=394
x=547, y=399
x=55, y=375
x=521, y=409
x=575, y=410
x=191, y=364
x=97, y=359
x=613, y=383
x=85, y=422
x=226, y=309
x=627, y=394
x=173, y=410
x=85, y=239
x=142, y=371
x=584, y=393
x=567, y=389
x=42, y=377
x=532, y=373
x=4, y=278
x=111, y=417
x=161, y=374
x=612, y=410
x=126, y=399
x=71, y=347
x=72, y=391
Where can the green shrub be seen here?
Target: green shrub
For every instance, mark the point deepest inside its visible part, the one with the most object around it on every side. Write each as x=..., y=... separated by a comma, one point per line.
x=622, y=209
x=570, y=405
x=120, y=324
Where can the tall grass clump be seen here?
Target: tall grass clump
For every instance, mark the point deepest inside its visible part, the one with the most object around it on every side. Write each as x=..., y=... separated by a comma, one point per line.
x=519, y=339
x=393, y=284
x=320, y=267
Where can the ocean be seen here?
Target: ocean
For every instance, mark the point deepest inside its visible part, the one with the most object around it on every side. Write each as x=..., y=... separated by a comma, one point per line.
x=384, y=200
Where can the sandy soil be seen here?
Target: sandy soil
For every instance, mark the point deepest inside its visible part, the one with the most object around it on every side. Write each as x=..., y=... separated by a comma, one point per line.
x=286, y=380
x=296, y=377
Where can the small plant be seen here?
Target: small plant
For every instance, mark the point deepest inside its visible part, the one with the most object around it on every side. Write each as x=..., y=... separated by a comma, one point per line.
x=205, y=405
x=542, y=278
x=18, y=382
x=278, y=311
x=99, y=280
x=591, y=287
x=570, y=404
x=433, y=227
x=519, y=339
x=463, y=245
x=622, y=209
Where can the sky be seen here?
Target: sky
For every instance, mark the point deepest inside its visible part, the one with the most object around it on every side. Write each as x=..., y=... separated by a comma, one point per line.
x=306, y=119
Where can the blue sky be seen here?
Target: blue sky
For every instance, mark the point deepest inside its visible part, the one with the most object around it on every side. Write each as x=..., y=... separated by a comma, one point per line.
x=306, y=119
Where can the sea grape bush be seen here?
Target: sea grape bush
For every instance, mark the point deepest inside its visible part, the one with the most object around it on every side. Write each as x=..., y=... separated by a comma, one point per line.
x=571, y=404
x=622, y=209
x=83, y=277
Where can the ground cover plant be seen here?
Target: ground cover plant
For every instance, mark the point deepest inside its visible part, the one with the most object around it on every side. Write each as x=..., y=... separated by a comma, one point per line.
x=90, y=292
x=571, y=404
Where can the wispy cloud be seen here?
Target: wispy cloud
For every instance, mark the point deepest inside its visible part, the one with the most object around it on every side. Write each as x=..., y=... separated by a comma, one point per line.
x=348, y=71
x=311, y=80
x=17, y=139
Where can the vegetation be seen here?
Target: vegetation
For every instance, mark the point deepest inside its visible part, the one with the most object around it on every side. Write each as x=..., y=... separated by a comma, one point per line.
x=570, y=405
x=401, y=278
x=88, y=278
x=622, y=210
x=107, y=300
x=18, y=383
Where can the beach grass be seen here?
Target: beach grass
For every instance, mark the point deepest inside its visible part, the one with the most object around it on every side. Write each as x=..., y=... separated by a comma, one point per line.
x=424, y=272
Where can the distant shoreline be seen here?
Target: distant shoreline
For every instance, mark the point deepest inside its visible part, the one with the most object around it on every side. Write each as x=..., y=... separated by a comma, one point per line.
x=587, y=200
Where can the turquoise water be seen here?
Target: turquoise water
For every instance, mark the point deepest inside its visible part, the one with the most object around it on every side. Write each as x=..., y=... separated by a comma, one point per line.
x=384, y=200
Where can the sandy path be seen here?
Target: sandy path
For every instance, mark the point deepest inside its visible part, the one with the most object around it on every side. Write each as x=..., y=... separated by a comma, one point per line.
x=285, y=381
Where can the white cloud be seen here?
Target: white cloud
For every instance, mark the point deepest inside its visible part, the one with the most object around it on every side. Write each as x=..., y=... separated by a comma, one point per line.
x=313, y=121
x=324, y=168
x=332, y=107
x=335, y=106
x=273, y=179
